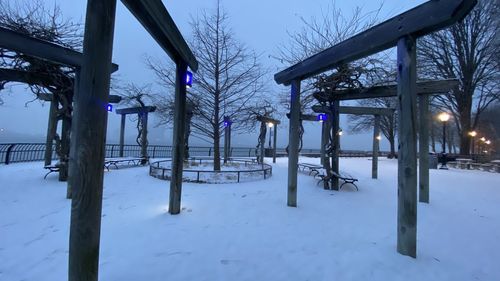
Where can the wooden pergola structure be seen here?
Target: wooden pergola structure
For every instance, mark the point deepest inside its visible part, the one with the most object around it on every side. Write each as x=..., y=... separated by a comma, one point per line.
x=401, y=31
x=424, y=89
x=142, y=115
x=16, y=41
x=90, y=115
x=264, y=121
x=353, y=110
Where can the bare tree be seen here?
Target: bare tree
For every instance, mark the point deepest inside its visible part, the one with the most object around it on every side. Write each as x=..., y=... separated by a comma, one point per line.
x=319, y=33
x=363, y=123
x=468, y=51
x=138, y=96
x=228, y=83
x=43, y=77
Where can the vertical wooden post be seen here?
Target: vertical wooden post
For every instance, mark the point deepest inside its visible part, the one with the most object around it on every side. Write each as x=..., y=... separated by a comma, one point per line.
x=293, y=143
x=226, y=139
x=407, y=152
x=65, y=148
x=144, y=136
x=229, y=141
x=122, y=134
x=336, y=143
x=274, y=142
x=174, y=206
x=376, y=146
x=324, y=140
x=51, y=129
x=89, y=133
x=72, y=168
x=423, y=148
x=263, y=127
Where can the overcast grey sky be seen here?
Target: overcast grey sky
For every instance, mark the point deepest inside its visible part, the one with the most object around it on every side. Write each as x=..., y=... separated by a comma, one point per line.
x=262, y=25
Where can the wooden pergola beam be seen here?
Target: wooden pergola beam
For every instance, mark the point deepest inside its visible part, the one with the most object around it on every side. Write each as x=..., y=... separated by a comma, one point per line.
x=417, y=22
x=41, y=49
x=155, y=18
x=305, y=117
x=48, y=97
x=136, y=110
x=430, y=87
x=267, y=120
x=356, y=110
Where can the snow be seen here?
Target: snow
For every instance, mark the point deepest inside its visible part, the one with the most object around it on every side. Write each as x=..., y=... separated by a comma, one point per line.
x=246, y=232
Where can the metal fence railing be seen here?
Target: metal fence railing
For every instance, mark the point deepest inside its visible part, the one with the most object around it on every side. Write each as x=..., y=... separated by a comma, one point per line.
x=26, y=152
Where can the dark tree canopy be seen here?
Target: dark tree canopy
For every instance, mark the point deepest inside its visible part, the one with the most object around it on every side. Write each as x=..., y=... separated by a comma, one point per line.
x=468, y=51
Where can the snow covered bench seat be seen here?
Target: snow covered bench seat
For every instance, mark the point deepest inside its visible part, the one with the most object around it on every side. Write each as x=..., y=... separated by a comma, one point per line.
x=345, y=177
x=135, y=161
x=52, y=169
x=313, y=169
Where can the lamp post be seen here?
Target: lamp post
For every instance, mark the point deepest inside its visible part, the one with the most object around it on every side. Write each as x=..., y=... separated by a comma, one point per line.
x=472, y=134
x=480, y=145
x=444, y=117
x=270, y=125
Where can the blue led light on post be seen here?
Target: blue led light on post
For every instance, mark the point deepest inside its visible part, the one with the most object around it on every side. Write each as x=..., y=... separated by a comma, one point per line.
x=322, y=117
x=189, y=79
x=109, y=107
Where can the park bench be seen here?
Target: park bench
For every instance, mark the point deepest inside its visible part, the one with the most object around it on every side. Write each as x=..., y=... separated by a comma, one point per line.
x=130, y=161
x=346, y=178
x=312, y=168
x=52, y=169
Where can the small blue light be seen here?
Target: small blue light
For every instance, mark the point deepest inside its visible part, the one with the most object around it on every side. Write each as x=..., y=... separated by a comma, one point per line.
x=227, y=122
x=322, y=117
x=109, y=107
x=189, y=79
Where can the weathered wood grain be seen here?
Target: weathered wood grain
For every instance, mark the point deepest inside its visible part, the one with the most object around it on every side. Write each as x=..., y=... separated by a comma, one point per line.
x=407, y=148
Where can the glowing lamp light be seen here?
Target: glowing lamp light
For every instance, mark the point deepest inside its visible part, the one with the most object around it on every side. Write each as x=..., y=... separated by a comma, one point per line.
x=340, y=133
x=473, y=133
x=270, y=124
x=109, y=107
x=483, y=139
x=379, y=137
x=487, y=142
x=189, y=79
x=444, y=117
x=322, y=117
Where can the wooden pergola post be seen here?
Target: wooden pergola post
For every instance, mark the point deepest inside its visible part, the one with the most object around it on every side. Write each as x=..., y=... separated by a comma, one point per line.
x=376, y=146
x=262, y=141
x=65, y=148
x=407, y=157
x=227, y=138
x=144, y=136
x=89, y=133
x=293, y=143
x=274, y=142
x=325, y=130
x=122, y=133
x=423, y=148
x=51, y=130
x=174, y=206
x=336, y=143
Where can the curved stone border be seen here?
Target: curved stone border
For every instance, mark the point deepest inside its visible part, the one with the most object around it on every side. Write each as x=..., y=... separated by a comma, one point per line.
x=231, y=176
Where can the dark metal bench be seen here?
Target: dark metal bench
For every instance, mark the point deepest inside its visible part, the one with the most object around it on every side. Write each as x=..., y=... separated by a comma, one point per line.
x=346, y=178
x=311, y=167
x=52, y=169
x=108, y=162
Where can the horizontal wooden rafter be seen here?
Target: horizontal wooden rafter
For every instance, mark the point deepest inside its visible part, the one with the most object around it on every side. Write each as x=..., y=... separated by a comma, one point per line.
x=155, y=18
x=136, y=110
x=305, y=117
x=419, y=21
x=22, y=43
x=268, y=120
x=431, y=87
x=48, y=97
x=356, y=110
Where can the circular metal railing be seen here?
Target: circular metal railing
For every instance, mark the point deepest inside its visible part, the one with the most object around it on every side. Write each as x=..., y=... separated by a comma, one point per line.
x=253, y=171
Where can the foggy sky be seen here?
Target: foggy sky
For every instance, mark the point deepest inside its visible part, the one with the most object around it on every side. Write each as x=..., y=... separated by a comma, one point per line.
x=261, y=25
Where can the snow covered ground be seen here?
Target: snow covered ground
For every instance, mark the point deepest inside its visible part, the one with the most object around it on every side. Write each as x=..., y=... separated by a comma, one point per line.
x=245, y=231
